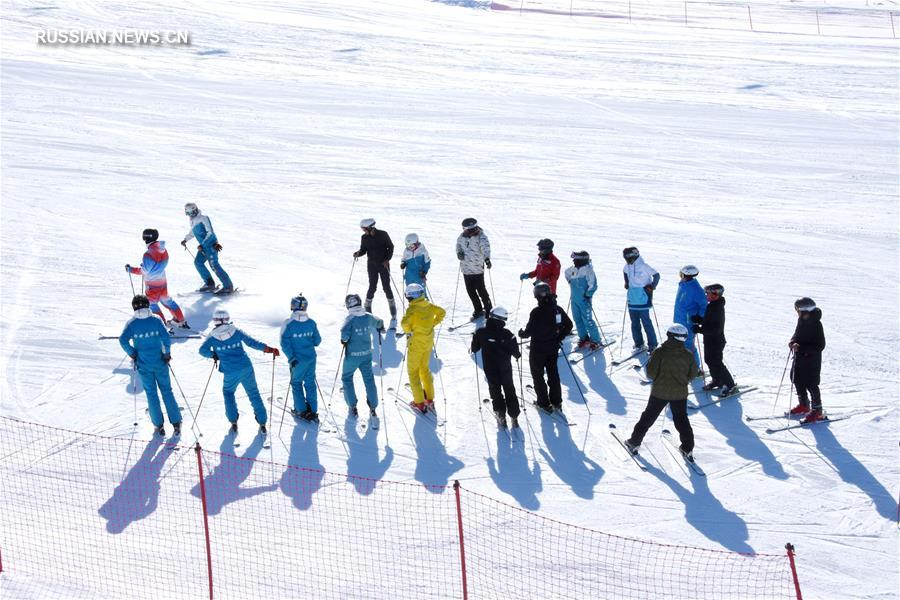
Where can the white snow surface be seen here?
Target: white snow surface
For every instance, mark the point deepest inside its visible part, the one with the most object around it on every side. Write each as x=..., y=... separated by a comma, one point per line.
x=768, y=160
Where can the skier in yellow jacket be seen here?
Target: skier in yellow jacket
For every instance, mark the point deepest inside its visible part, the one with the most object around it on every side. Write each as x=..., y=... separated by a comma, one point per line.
x=419, y=322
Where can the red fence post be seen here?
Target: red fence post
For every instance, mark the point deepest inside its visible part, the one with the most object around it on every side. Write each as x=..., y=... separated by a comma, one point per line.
x=205, y=520
x=790, y=552
x=462, y=545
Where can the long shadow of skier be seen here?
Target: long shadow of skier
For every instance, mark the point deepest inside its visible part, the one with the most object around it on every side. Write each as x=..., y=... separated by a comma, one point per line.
x=512, y=475
x=433, y=466
x=727, y=418
x=303, y=476
x=854, y=472
x=223, y=483
x=569, y=463
x=705, y=513
x=137, y=495
x=600, y=382
x=364, y=468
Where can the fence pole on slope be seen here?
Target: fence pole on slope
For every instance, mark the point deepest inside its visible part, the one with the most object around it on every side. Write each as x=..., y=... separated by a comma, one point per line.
x=790, y=552
x=462, y=545
x=205, y=520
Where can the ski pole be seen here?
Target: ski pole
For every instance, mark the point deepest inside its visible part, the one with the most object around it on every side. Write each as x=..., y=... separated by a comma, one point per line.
x=336, y=373
x=575, y=379
x=659, y=331
x=287, y=394
x=134, y=389
x=186, y=403
x=397, y=291
x=519, y=301
x=622, y=337
x=202, y=396
x=477, y=380
x=402, y=362
x=272, y=388
x=491, y=279
x=188, y=251
x=455, y=294
x=349, y=279
x=783, y=373
x=131, y=281
x=387, y=441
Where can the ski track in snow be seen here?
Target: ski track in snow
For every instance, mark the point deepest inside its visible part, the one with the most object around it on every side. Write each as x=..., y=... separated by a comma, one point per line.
x=771, y=161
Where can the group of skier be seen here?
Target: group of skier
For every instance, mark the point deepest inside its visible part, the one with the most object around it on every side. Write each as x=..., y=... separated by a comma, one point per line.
x=671, y=367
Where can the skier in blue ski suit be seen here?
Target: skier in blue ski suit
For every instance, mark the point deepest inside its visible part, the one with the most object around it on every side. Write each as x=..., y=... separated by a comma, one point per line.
x=207, y=251
x=226, y=345
x=356, y=335
x=690, y=301
x=583, y=284
x=299, y=338
x=415, y=262
x=150, y=353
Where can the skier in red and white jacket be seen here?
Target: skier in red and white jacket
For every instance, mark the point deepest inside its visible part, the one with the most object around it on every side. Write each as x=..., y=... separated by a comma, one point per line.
x=153, y=270
x=548, y=267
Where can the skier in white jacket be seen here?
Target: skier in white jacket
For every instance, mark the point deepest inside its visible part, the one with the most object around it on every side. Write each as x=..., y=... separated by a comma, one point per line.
x=474, y=253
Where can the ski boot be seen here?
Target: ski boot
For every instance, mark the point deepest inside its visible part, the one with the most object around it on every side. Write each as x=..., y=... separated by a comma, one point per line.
x=373, y=414
x=209, y=286
x=353, y=412
x=422, y=408
x=514, y=422
x=728, y=390
x=501, y=421
x=177, y=428
x=224, y=291
x=631, y=446
x=160, y=430
x=814, y=416
x=712, y=385
x=233, y=428
x=262, y=429
x=799, y=410
x=688, y=456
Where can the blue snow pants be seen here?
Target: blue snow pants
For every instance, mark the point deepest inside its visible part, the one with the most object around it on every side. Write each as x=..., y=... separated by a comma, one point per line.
x=638, y=318
x=364, y=364
x=247, y=378
x=303, y=383
x=151, y=378
x=209, y=254
x=583, y=315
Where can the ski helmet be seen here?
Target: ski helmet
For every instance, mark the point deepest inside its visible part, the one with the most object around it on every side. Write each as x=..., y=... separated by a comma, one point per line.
x=221, y=317
x=805, y=304
x=150, y=236
x=542, y=290
x=715, y=288
x=545, y=244
x=140, y=301
x=499, y=313
x=414, y=290
x=689, y=271
x=352, y=301
x=677, y=331
x=191, y=209
x=411, y=239
x=469, y=223
x=581, y=258
x=298, y=302
x=631, y=253
x=367, y=223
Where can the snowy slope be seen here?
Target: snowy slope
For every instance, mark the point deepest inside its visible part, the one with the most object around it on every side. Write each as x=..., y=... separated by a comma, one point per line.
x=770, y=161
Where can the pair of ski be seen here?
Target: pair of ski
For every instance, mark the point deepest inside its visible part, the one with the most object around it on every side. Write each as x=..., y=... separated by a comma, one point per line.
x=668, y=442
x=584, y=355
x=216, y=291
x=825, y=419
x=633, y=355
x=317, y=423
x=263, y=431
x=717, y=398
x=429, y=415
x=555, y=413
x=515, y=434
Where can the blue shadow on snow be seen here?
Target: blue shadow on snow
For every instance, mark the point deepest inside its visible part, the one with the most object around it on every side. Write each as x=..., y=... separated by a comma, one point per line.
x=223, y=483
x=303, y=476
x=569, y=463
x=434, y=465
x=137, y=494
x=364, y=468
x=511, y=473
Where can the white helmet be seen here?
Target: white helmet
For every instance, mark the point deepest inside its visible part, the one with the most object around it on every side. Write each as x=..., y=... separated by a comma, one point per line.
x=367, y=223
x=499, y=313
x=414, y=290
x=678, y=332
x=689, y=271
x=221, y=317
x=411, y=239
x=191, y=209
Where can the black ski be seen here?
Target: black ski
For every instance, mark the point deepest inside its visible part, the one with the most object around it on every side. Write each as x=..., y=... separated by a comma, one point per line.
x=583, y=356
x=632, y=456
x=825, y=419
x=622, y=361
x=675, y=451
x=719, y=398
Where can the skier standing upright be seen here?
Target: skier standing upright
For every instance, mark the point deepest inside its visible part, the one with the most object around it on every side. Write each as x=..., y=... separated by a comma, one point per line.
x=416, y=262
x=583, y=284
x=712, y=326
x=225, y=345
x=207, y=251
x=473, y=249
x=419, y=322
x=153, y=271
x=497, y=344
x=690, y=302
x=299, y=338
x=147, y=342
x=547, y=268
x=548, y=325
x=376, y=244
x=356, y=336
x=640, y=281
x=807, y=343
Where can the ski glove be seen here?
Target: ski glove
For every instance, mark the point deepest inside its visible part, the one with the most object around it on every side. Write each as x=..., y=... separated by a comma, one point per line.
x=524, y=276
x=697, y=329
x=271, y=350
x=461, y=255
x=184, y=243
x=487, y=263
x=387, y=265
x=293, y=363
x=128, y=268
x=166, y=357
x=696, y=319
x=402, y=264
x=523, y=334
x=133, y=356
x=357, y=254
x=217, y=247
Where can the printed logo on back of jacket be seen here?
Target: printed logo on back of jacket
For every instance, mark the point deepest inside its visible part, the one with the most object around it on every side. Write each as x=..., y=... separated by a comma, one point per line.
x=149, y=334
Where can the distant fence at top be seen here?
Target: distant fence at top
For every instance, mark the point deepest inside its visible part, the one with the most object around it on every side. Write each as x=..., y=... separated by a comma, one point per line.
x=869, y=21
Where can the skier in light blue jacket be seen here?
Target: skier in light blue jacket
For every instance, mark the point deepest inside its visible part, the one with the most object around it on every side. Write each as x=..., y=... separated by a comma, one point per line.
x=226, y=346
x=690, y=301
x=583, y=284
x=299, y=338
x=146, y=341
x=415, y=262
x=207, y=251
x=356, y=335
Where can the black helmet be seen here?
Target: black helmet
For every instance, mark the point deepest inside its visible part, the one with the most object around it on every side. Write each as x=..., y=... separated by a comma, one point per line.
x=715, y=288
x=805, y=304
x=630, y=253
x=140, y=301
x=352, y=301
x=469, y=223
x=542, y=290
x=545, y=244
x=150, y=236
x=298, y=302
x=581, y=258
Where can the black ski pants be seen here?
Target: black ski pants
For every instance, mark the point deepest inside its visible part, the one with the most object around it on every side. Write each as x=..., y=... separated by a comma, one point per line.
x=805, y=391
x=375, y=271
x=712, y=354
x=541, y=360
x=679, y=416
x=478, y=294
x=503, y=392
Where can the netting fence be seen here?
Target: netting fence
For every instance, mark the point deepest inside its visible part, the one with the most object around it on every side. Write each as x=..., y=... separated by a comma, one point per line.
x=878, y=19
x=90, y=516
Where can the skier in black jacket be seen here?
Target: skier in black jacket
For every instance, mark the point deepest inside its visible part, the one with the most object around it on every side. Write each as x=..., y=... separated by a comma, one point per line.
x=548, y=325
x=497, y=345
x=807, y=343
x=378, y=246
x=712, y=326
